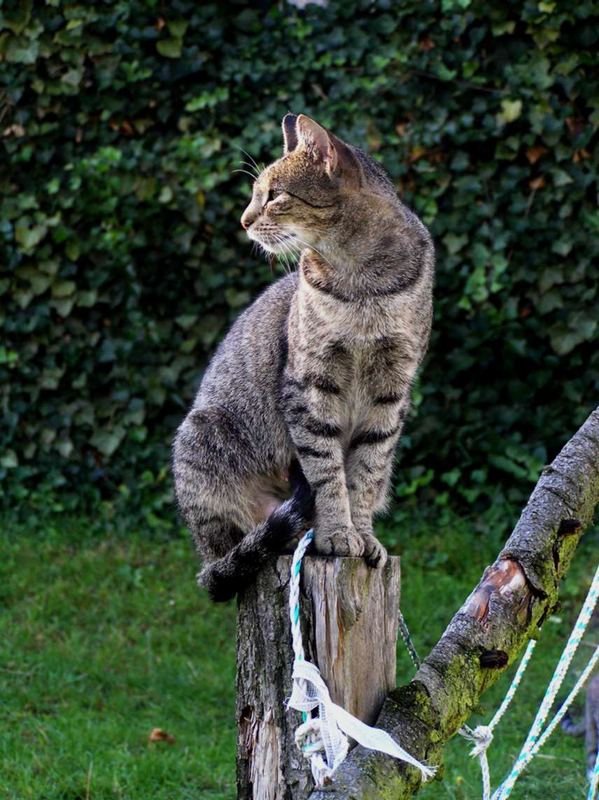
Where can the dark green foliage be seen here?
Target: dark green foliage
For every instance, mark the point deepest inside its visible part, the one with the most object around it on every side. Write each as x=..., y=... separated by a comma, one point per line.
x=123, y=259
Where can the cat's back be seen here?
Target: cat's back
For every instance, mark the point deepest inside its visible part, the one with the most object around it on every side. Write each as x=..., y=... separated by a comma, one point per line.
x=246, y=366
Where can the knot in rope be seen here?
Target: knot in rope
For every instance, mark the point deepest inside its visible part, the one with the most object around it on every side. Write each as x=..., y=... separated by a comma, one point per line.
x=482, y=736
x=309, y=740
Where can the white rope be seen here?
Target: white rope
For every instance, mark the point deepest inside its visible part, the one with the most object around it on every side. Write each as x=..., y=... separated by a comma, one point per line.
x=324, y=739
x=482, y=735
x=567, y=702
x=536, y=736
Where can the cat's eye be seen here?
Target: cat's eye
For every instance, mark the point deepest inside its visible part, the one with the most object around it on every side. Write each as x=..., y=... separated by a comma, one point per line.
x=272, y=195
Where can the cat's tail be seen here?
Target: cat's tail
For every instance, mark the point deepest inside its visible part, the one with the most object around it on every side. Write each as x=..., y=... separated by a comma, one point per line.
x=224, y=578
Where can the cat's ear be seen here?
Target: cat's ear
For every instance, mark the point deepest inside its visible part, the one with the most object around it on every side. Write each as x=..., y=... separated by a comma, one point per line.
x=317, y=141
x=289, y=126
x=327, y=149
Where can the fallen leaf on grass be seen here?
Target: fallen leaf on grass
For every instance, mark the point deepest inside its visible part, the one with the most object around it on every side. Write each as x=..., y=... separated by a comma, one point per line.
x=158, y=735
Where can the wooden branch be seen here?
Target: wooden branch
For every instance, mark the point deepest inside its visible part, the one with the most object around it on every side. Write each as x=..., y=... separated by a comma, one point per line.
x=512, y=600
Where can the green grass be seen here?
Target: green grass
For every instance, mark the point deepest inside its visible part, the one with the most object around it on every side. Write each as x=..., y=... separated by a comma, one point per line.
x=101, y=641
x=105, y=637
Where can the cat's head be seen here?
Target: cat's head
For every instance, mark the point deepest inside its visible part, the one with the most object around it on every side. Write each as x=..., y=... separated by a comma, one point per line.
x=315, y=194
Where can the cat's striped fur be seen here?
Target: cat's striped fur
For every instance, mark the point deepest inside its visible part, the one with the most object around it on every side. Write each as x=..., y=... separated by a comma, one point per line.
x=316, y=372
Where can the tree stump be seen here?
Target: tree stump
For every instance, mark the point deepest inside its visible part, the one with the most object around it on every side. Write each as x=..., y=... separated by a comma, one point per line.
x=349, y=618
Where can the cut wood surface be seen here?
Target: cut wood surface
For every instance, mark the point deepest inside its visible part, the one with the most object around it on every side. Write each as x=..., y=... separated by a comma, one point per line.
x=349, y=626
x=514, y=597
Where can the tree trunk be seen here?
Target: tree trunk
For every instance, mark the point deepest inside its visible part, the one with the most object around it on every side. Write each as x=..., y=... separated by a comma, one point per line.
x=349, y=625
x=513, y=599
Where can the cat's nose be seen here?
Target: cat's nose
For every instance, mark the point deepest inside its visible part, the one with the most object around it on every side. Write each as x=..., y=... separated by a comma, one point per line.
x=247, y=218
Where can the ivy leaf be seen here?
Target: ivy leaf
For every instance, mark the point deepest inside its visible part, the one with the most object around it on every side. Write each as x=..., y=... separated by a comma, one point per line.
x=506, y=26
x=562, y=246
x=17, y=18
x=19, y=50
x=564, y=338
x=170, y=48
x=177, y=28
x=107, y=441
x=445, y=73
x=9, y=460
x=561, y=177
x=63, y=306
x=64, y=447
x=28, y=236
x=454, y=242
x=510, y=111
x=63, y=288
x=87, y=298
x=508, y=465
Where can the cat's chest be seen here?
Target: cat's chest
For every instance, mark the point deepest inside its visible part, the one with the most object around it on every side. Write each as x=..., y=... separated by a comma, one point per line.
x=324, y=315
x=368, y=366
x=358, y=325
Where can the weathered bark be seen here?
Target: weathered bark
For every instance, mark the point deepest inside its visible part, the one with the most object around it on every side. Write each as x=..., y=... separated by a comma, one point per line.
x=349, y=626
x=512, y=600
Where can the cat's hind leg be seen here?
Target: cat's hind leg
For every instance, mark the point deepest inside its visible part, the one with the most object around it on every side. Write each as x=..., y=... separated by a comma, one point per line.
x=226, y=504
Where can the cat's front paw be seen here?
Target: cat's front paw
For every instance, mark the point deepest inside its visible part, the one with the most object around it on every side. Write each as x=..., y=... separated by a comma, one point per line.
x=375, y=554
x=339, y=542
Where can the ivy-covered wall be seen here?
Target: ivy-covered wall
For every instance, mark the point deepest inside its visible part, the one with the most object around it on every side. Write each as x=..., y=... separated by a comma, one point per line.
x=123, y=261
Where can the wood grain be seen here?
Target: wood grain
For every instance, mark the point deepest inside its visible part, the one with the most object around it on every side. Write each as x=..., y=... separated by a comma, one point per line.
x=349, y=624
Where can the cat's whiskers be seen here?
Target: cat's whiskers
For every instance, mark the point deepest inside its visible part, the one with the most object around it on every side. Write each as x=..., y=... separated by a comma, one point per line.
x=255, y=248
x=263, y=249
x=252, y=176
x=251, y=167
x=288, y=252
x=284, y=252
x=284, y=263
x=251, y=157
x=254, y=165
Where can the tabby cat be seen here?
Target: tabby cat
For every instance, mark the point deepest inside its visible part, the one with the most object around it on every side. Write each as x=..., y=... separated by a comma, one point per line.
x=299, y=412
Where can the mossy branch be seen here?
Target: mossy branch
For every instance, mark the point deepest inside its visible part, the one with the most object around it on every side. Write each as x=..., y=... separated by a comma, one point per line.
x=512, y=600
